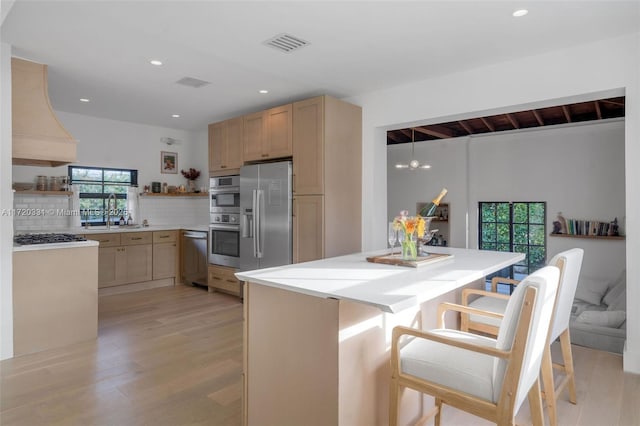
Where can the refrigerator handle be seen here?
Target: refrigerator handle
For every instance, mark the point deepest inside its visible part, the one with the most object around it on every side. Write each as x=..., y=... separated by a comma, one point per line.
x=254, y=222
x=258, y=220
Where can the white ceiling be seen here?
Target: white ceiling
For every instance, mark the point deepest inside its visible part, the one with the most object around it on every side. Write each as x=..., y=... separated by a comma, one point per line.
x=101, y=49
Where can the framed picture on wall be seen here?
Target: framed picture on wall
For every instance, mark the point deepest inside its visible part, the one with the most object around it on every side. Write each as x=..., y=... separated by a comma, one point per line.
x=169, y=162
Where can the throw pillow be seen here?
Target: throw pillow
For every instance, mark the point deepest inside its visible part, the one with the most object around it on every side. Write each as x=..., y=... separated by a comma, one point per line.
x=619, y=303
x=591, y=290
x=619, y=287
x=611, y=319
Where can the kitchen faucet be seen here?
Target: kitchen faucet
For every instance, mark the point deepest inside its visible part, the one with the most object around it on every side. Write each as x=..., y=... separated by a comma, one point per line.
x=115, y=202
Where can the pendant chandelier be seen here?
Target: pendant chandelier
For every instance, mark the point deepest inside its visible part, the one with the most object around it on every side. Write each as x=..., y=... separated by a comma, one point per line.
x=413, y=163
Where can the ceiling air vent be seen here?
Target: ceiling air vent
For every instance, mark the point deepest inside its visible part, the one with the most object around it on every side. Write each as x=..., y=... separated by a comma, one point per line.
x=286, y=43
x=192, y=82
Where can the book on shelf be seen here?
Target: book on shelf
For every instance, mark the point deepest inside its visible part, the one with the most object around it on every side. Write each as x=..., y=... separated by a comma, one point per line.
x=593, y=228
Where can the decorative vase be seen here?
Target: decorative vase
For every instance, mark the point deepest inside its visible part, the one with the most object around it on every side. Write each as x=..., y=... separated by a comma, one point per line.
x=409, y=248
x=191, y=185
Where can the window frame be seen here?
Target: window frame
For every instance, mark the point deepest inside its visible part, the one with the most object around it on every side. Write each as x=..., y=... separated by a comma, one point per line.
x=104, y=195
x=510, y=271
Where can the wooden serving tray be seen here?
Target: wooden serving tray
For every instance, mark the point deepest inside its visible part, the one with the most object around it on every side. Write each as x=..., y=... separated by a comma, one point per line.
x=423, y=259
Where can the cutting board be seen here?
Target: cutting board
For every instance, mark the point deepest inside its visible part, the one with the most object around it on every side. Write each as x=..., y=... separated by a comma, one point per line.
x=422, y=260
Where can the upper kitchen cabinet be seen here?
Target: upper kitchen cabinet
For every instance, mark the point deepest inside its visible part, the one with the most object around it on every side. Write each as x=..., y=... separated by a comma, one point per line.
x=327, y=162
x=39, y=139
x=225, y=146
x=268, y=134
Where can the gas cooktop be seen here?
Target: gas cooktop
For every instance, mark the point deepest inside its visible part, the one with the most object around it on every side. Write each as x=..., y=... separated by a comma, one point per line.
x=27, y=239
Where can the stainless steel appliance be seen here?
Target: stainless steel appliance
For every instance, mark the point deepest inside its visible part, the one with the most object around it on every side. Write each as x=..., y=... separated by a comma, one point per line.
x=194, y=257
x=224, y=223
x=265, y=209
x=224, y=194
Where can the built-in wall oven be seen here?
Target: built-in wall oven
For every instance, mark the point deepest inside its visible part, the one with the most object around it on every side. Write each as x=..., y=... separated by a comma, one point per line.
x=224, y=223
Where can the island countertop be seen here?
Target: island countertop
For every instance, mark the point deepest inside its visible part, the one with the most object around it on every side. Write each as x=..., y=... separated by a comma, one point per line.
x=388, y=287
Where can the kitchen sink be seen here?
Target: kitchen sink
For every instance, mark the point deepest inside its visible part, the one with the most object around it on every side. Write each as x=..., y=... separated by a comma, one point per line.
x=113, y=228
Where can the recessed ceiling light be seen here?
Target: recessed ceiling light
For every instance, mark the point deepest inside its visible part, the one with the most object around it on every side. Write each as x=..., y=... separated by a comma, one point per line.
x=263, y=91
x=520, y=12
x=84, y=100
x=175, y=115
x=155, y=62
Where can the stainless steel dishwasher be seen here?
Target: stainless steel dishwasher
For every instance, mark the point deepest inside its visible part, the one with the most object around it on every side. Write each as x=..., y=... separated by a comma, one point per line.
x=194, y=257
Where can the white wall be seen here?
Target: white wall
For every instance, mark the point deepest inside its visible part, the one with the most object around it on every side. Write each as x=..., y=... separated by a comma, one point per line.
x=576, y=169
x=6, y=202
x=120, y=144
x=587, y=71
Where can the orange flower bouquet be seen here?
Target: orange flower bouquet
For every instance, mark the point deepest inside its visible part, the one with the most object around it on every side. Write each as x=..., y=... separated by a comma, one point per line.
x=409, y=229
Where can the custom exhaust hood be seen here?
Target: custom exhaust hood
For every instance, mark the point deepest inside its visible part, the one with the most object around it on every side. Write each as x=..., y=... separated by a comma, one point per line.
x=39, y=139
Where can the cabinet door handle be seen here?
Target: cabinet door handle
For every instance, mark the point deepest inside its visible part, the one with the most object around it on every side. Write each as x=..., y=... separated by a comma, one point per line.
x=265, y=155
x=217, y=278
x=223, y=167
x=164, y=236
x=136, y=238
x=232, y=281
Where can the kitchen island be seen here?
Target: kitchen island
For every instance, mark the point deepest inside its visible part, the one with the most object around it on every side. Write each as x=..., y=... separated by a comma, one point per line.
x=317, y=334
x=55, y=295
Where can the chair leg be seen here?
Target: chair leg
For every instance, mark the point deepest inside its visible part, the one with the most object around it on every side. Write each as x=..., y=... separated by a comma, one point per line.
x=549, y=386
x=567, y=358
x=394, y=400
x=535, y=404
x=436, y=421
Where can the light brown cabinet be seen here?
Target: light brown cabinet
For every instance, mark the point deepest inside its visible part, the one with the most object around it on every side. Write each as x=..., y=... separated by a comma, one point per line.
x=308, y=228
x=165, y=254
x=134, y=257
x=225, y=146
x=222, y=278
x=327, y=181
x=268, y=134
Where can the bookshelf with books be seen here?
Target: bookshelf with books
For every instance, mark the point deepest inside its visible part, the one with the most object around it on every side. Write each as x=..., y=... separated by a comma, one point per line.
x=580, y=228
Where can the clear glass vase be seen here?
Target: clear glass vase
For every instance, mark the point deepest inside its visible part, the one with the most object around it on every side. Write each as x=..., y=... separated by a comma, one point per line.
x=409, y=247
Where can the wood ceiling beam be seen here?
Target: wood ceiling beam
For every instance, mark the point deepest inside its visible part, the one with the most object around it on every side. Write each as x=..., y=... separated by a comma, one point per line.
x=393, y=136
x=486, y=123
x=538, y=117
x=405, y=132
x=465, y=126
x=609, y=101
x=567, y=113
x=598, y=112
x=437, y=131
x=513, y=121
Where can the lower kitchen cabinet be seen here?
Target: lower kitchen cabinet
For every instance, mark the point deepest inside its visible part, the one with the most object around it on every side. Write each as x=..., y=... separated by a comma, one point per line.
x=165, y=254
x=222, y=278
x=135, y=257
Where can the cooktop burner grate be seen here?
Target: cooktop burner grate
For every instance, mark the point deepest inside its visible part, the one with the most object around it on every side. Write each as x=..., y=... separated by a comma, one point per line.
x=26, y=239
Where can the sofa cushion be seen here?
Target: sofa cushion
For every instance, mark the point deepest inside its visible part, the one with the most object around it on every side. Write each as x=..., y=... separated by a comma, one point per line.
x=591, y=290
x=613, y=319
x=618, y=287
x=619, y=303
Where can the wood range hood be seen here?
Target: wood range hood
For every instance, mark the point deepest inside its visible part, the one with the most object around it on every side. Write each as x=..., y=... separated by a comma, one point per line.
x=39, y=139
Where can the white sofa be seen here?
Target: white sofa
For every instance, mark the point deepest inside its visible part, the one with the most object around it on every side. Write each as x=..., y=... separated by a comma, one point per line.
x=598, y=317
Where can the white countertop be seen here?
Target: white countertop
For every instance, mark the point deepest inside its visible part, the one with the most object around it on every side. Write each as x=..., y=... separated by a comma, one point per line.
x=55, y=246
x=97, y=230
x=387, y=287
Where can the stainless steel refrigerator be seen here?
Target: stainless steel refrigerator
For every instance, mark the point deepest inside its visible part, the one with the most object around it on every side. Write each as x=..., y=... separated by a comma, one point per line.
x=265, y=215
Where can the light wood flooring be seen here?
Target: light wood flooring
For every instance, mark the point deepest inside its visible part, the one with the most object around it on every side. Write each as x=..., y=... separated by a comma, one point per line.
x=166, y=356
x=173, y=356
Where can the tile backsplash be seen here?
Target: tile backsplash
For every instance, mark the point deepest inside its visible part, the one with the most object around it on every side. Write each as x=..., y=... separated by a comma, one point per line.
x=53, y=212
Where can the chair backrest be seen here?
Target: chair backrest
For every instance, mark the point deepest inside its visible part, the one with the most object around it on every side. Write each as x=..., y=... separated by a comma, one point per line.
x=570, y=263
x=545, y=281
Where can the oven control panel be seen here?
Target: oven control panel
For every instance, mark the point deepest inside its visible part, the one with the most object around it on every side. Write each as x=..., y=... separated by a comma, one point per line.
x=225, y=218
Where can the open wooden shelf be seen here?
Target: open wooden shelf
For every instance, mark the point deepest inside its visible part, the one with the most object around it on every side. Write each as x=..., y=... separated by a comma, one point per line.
x=34, y=192
x=177, y=194
x=593, y=237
